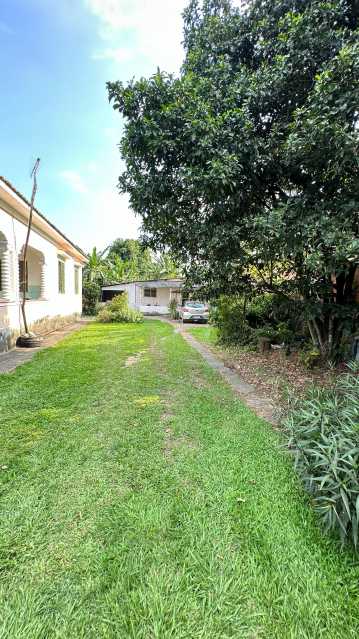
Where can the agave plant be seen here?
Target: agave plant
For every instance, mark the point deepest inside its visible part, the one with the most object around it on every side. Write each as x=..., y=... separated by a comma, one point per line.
x=324, y=438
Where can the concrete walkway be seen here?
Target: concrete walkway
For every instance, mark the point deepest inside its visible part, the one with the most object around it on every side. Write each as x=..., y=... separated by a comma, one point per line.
x=18, y=356
x=248, y=393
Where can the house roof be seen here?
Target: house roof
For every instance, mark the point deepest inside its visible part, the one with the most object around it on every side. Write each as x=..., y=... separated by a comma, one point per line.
x=160, y=283
x=42, y=217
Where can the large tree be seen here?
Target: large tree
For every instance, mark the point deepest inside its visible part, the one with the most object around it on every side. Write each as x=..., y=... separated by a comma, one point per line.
x=246, y=165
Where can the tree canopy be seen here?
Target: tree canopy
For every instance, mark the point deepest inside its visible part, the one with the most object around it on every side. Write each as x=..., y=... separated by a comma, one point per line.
x=246, y=165
x=126, y=260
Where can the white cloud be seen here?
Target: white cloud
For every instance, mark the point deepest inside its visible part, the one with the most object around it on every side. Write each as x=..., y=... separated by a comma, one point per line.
x=153, y=27
x=92, y=168
x=117, y=220
x=117, y=55
x=74, y=180
x=105, y=215
x=116, y=14
x=95, y=210
x=152, y=30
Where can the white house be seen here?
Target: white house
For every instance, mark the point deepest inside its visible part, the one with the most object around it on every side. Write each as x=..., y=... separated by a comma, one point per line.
x=53, y=270
x=151, y=297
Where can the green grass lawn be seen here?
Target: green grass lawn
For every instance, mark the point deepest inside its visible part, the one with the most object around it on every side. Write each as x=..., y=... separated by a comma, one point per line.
x=146, y=502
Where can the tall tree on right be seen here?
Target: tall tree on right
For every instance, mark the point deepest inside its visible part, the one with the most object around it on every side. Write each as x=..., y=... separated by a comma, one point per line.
x=246, y=165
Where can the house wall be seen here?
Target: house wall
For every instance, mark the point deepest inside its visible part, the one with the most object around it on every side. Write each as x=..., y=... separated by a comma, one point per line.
x=52, y=309
x=148, y=305
x=158, y=304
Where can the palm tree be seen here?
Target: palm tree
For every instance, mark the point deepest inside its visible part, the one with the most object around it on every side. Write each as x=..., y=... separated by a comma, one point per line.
x=115, y=269
x=96, y=266
x=164, y=267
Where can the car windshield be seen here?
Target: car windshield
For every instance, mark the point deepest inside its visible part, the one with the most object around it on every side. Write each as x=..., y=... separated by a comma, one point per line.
x=195, y=305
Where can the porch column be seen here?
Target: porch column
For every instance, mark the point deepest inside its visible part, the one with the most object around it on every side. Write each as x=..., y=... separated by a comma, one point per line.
x=6, y=288
x=43, y=281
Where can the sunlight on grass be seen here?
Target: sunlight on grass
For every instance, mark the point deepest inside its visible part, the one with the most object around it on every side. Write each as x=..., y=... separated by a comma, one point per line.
x=153, y=504
x=147, y=401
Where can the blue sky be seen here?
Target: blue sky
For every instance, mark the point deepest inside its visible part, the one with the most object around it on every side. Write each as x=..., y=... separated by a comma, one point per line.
x=56, y=57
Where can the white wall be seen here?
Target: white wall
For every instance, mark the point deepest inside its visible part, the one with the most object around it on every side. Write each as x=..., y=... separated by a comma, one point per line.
x=52, y=303
x=154, y=305
x=147, y=305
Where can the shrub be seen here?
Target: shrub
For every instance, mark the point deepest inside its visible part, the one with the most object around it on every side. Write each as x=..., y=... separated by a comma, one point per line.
x=310, y=357
x=285, y=333
x=267, y=331
x=91, y=292
x=229, y=317
x=260, y=309
x=118, y=310
x=173, y=310
x=243, y=320
x=324, y=437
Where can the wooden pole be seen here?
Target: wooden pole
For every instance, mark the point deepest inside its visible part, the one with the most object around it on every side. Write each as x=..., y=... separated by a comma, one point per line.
x=34, y=189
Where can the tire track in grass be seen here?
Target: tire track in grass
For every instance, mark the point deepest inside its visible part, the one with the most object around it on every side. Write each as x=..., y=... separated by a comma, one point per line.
x=106, y=536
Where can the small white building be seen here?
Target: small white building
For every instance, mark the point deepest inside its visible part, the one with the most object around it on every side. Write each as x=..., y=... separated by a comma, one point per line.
x=53, y=270
x=151, y=297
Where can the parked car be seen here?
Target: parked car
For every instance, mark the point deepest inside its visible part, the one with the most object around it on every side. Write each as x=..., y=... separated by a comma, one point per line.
x=193, y=312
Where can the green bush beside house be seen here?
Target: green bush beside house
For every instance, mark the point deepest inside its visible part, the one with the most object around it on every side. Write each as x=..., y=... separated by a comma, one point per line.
x=118, y=310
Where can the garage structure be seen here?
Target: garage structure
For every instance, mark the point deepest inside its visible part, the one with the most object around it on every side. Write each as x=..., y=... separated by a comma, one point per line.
x=151, y=297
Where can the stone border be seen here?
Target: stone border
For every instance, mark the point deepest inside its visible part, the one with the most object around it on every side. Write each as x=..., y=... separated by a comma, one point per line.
x=248, y=393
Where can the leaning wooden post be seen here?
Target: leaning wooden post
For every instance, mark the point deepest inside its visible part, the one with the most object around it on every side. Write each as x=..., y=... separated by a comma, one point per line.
x=34, y=189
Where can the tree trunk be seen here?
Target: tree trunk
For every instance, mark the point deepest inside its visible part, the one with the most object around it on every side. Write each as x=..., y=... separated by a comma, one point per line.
x=327, y=330
x=312, y=333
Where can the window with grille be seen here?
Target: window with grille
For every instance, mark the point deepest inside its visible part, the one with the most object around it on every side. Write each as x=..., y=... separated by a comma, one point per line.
x=61, y=276
x=150, y=292
x=77, y=279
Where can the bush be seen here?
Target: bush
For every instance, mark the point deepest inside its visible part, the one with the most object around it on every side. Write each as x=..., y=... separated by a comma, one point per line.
x=260, y=309
x=118, y=310
x=91, y=292
x=310, y=357
x=173, y=309
x=267, y=331
x=243, y=321
x=324, y=437
x=229, y=317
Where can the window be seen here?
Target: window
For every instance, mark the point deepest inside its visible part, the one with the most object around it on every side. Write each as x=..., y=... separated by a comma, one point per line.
x=77, y=279
x=150, y=292
x=61, y=276
x=1, y=285
x=23, y=275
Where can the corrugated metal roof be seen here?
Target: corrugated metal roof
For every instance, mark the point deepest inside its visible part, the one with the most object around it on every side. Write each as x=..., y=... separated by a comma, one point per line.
x=161, y=283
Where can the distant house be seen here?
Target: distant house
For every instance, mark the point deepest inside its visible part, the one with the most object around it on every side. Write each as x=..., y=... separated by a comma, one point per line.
x=151, y=297
x=52, y=272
